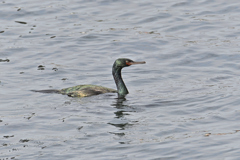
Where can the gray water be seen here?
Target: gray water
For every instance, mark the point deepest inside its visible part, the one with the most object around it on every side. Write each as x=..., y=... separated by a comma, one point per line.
x=183, y=103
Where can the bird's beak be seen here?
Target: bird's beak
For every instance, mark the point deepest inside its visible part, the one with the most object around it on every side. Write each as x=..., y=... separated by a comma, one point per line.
x=131, y=63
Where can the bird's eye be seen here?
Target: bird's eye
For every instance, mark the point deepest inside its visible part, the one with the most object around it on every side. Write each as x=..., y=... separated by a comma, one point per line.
x=128, y=63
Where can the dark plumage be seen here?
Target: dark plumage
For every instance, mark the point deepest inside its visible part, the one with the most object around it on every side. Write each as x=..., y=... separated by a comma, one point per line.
x=89, y=90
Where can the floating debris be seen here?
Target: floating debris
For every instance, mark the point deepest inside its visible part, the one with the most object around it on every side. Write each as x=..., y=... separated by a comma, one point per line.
x=1, y=31
x=4, y=60
x=19, y=9
x=21, y=22
x=55, y=69
x=207, y=134
x=30, y=116
x=151, y=32
x=41, y=67
x=53, y=37
x=8, y=136
x=23, y=140
x=79, y=128
x=220, y=134
x=64, y=79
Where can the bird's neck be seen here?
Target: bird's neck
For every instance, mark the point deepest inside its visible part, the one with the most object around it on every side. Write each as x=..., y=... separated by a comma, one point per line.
x=121, y=87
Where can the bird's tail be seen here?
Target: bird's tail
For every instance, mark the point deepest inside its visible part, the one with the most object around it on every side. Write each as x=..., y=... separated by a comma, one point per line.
x=47, y=91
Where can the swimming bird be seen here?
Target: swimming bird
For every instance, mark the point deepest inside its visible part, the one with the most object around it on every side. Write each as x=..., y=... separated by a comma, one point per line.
x=90, y=90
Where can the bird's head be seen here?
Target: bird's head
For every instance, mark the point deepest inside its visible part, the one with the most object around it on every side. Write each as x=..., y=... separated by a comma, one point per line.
x=125, y=62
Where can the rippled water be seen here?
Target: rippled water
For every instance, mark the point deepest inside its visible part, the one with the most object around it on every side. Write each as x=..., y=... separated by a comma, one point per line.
x=183, y=103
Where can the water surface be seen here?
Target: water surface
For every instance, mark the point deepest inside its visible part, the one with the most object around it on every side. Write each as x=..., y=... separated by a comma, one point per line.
x=183, y=103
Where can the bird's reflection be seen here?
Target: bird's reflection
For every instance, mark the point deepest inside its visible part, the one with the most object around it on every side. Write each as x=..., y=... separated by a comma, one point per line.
x=120, y=121
x=119, y=104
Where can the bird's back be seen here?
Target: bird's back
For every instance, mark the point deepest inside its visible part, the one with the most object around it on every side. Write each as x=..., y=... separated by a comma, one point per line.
x=86, y=90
